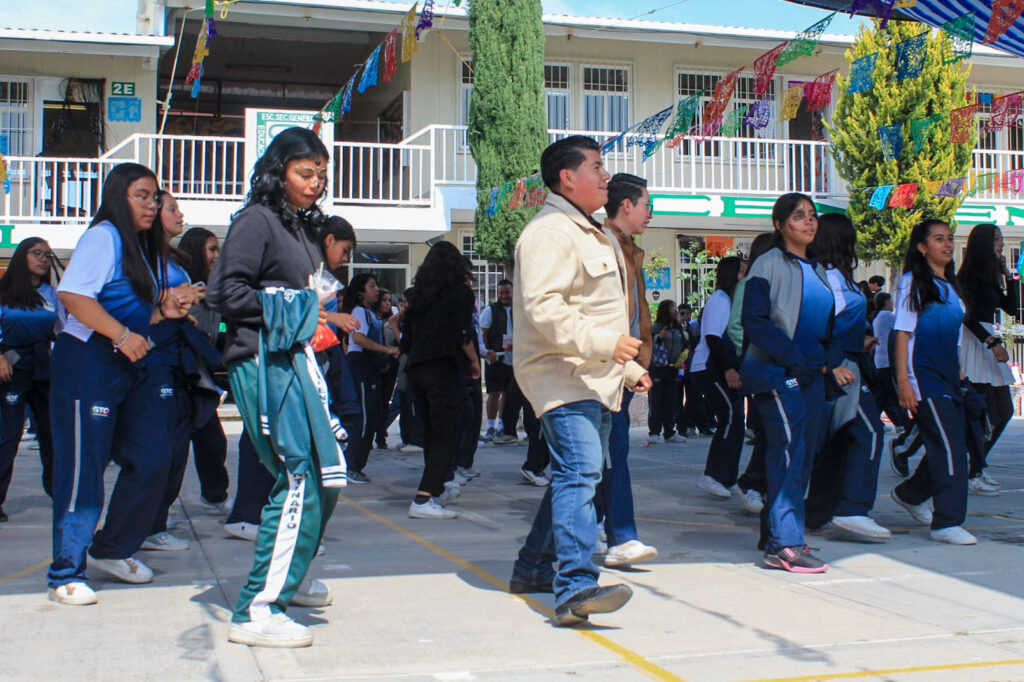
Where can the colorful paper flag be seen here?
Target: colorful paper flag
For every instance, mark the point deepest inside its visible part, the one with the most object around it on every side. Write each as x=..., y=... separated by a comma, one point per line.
x=346, y=96
x=686, y=111
x=951, y=188
x=961, y=121
x=891, y=137
x=492, y=202
x=919, y=130
x=759, y=115
x=981, y=182
x=903, y=196
x=426, y=18
x=1012, y=181
x=791, y=100
x=879, y=197
x=1004, y=14
x=720, y=96
x=764, y=69
x=910, y=56
x=389, y=55
x=369, y=78
x=518, y=195
x=805, y=42
x=734, y=121
x=648, y=129
x=1005, y=111
x=959, y=38
x=819, y=91
x=862, y=74
x=932, y=186
x=408, y=28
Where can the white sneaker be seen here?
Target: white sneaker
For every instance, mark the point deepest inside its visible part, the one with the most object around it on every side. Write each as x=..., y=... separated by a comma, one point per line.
x=692, y=432
x=468, y=472
x=978, y=486
x=713, y=488
x=72, y=594
x=628, y=553
x=276, y=631
x=954, y=535
x=243, y=530
x=451, y=491
x=753, y=501
x=539, y=480
x=654, y=439
x=172, y=522
x=429, y=510
x=460, y=478
x=409, y=449
x=505, y=439
x=312, y=593
x=864, y=527
x=919, y=512
x=130, y=570
x=165, y=542
x=224, y=507
x=991, y=481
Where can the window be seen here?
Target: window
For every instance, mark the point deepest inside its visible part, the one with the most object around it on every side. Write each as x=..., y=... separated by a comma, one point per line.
x=997, y=142
x=485, y=275
x=465, y=93
x=556, y=95
x=688, y=84
x=605, y=98
x=16, y=134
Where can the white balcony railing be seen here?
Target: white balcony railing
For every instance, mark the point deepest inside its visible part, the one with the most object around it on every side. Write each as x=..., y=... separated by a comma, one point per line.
x=54, y=190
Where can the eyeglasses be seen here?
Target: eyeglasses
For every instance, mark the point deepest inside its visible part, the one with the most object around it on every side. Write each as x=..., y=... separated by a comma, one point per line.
x=147, y=199
x=310, y=173
x=650, y=206
x=41, y=253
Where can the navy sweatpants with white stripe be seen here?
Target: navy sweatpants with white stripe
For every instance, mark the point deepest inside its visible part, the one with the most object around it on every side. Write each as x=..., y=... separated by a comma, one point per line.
x=844, y=480
x=795, y=421
x=942, y=472
x=103, y=407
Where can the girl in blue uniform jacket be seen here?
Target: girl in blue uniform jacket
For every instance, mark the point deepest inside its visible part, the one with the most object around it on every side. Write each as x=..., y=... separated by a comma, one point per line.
x=928, y=381
x=28, y=313
x=104, y=398
x=788, y=351
x=845, y=477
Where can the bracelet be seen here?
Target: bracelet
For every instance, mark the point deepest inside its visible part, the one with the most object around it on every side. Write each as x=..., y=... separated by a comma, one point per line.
x=124, y=337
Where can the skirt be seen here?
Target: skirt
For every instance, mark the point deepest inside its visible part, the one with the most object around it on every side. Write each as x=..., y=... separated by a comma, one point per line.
x=979, y=364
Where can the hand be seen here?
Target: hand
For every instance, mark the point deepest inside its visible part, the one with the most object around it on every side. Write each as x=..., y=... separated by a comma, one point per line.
x=732, y=379
x=908, y=401
x=175, y=307
x=322, y=315
x=199, y=290
x=185, y=293
x=870, y=343
x=134, y=347
x=474, y=370
x=344, y=322
x=491, y=356
x=643, y=384
x=844, y=375
x=192, y=320
x=999, y=350
x=6, y=371
x=626, y=348
x=394, y=352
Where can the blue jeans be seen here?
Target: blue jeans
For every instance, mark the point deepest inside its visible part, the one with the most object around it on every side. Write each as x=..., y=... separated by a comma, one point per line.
x=566, y=525
x=615, y=493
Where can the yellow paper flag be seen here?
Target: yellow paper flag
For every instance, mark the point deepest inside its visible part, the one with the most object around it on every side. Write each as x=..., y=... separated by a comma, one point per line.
x=791, y=102
x=409, y=43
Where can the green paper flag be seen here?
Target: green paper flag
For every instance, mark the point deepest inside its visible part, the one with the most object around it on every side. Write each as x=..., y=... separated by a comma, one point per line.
x=919, y=128
x=805, y=42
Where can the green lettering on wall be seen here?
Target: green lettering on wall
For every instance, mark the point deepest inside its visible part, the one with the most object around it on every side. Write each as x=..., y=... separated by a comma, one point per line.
x=1014, y=212
x=5, y=237
x=978, y=213
x=747, y=207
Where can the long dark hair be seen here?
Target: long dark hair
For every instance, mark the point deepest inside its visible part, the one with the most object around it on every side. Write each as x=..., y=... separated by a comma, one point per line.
x=193, y=245
x=16, y=290
x=140, y=266
x=762, y=244
x=981, y=267
x=267, y=184
x=923, y=289
x=337, y=227
x=443, y=271
x=173, y=252
x=727, y=274
x=664, y=314
x=835, y=244
x=784, y=207
x=353, y=292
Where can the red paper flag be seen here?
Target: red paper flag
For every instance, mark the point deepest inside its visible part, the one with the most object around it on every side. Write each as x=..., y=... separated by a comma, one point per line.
x=819, y=91
x=1004, y=14
x=764, y=69
x=903, y=196
x=960, y=122
x=389, y=54
x=720, y=97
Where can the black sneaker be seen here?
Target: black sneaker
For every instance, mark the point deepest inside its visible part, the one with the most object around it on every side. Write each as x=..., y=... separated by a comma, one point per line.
x=523, y=585
x=592, y=600
x=900, y=463
x=795, y=560
x=357, y=477
x=3, y=517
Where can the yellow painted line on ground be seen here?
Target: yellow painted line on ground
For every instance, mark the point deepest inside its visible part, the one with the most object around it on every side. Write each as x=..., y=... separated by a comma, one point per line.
x=893, y=671
x=627, y=655
x=26, y=571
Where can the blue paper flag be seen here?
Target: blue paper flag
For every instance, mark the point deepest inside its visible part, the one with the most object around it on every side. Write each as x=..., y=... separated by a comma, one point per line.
x=862, y=74
x=892, y=140
x=1020, y=259
x=910, y=56
x=369, y=78
x=880, y=196
x=346, y=98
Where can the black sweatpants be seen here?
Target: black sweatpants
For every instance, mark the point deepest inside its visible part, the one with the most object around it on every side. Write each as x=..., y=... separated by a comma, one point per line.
x=439, y=389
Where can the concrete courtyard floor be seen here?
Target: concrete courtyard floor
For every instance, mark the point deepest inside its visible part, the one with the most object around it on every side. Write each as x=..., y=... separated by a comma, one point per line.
x=426, y=600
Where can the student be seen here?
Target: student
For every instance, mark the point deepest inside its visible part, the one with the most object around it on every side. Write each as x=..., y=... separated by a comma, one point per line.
x=209, y=444
x=787, y=325
x=929, y=314
x=104, y=400
x=389, y=338
x=496, y=327
x=271, y=247
x=885, y=383
x=671, y=343
x=28, y=314
x=366, y=358
x=715, y=374
x=988, y=286
x=844, y=479
x=574, y=355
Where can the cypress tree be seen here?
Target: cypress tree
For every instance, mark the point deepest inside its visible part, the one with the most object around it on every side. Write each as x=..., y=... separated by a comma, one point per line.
x=857, y=149
x=507, y=119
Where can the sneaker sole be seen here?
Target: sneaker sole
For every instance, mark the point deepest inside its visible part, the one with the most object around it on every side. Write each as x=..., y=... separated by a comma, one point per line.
x=907, y=507
x=648, y=555
x=131, y=579
x=716, y=495
x=51, y=594
x=606, y=603
x=848, y=534
x=779, y=564
x=242, y=536
x=311, y=602
x=161, y=548
x=444, y=517
x=240, y=636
